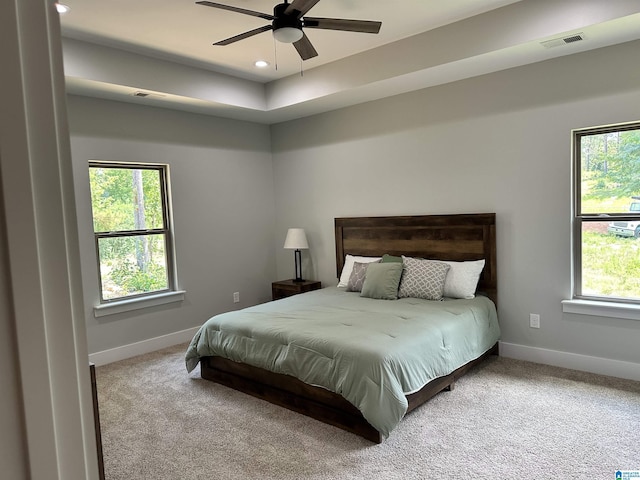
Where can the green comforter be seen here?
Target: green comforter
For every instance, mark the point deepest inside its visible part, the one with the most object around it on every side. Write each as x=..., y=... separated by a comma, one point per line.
x=372, y=352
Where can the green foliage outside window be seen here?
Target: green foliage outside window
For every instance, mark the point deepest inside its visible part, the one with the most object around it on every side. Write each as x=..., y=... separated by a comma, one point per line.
x=129, y=221
x=611, y=265
x=609, y=176
x=610, y=164
x=114, y=200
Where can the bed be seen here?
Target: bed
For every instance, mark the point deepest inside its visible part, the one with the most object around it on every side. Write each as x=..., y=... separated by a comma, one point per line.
x=299, y=351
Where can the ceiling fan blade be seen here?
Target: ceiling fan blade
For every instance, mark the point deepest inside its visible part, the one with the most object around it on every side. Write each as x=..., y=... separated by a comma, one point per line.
x=361, y=26
x=244, y=35
x=253, y=13
x=300, y=7
x=304, y=48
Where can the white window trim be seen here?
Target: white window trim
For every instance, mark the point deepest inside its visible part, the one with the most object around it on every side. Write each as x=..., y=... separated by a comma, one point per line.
x=610, y=309
x=147, y=299
x=122, y=306
x=628, y=311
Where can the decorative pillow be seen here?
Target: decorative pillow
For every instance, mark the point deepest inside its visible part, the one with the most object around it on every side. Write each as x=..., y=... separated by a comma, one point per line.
x=348, y=266
x=382, y=281
x=356, y=280
x=423, y=278
x=390, y=258
x=462, y=279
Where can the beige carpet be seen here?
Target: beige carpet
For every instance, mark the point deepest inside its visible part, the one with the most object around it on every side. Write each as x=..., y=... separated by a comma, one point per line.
x=506, y=419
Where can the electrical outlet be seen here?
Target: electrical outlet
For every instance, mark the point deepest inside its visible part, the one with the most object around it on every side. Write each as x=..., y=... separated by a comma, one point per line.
x=236, y=297
x=534, y=320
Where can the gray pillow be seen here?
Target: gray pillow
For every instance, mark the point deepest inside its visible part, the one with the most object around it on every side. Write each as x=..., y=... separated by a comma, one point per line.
x=423, y=278
x=356, y=279
x=382, y=280
x=390, y=258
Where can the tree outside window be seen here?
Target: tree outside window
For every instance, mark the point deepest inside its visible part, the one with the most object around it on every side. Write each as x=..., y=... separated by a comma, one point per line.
x=131, y=228
x=607, y=213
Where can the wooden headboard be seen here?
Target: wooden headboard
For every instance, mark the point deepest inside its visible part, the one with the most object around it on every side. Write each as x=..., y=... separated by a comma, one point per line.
x=438, y=237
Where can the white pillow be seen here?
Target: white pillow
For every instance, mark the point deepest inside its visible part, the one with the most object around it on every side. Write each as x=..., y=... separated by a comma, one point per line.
x=462, y=279
x=348, y=266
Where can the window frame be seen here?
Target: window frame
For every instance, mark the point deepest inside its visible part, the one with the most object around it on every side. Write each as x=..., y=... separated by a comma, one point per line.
x=579, y=218
x=166, y=231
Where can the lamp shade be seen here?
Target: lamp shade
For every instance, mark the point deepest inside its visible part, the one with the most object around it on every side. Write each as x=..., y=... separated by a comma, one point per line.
x=296, y=239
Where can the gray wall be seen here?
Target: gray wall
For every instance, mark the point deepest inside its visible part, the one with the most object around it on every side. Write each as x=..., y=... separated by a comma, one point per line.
x=497, y=143
x=223, y=205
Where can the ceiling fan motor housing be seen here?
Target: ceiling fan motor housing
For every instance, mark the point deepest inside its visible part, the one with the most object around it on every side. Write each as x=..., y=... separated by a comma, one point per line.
x=283, y=20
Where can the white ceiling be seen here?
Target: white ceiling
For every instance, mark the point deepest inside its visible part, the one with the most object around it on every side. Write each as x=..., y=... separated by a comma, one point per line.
x=113, y=48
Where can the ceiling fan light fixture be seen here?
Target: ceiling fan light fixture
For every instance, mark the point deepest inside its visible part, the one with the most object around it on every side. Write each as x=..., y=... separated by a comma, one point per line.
x=287, y=34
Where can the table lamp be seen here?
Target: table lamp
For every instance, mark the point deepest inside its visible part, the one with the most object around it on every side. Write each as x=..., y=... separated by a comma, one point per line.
x=297, y=240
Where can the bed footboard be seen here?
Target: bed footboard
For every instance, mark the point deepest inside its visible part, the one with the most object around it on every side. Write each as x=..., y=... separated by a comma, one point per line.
x=315, y=402
x=289, y=392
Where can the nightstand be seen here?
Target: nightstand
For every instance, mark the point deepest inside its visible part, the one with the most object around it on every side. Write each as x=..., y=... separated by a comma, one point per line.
x=286, y=288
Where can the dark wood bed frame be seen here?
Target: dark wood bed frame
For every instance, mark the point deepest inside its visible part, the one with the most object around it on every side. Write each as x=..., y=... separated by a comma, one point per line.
x=443, y=237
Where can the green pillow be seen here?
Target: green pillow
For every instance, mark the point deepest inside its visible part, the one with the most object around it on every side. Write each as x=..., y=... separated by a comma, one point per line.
x=382, y=280
x=390, y=258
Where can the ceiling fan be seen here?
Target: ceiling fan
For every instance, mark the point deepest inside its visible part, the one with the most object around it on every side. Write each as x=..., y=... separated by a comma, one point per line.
x=288, y=21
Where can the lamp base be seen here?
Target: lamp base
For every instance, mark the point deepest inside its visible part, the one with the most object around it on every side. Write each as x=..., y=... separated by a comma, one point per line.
x=298, y=259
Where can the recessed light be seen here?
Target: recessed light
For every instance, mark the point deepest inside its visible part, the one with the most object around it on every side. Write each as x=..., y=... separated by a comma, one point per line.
x=261, y=63
x=62, y=8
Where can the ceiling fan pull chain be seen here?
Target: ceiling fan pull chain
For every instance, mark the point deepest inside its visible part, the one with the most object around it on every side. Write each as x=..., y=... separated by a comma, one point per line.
x=275, y=53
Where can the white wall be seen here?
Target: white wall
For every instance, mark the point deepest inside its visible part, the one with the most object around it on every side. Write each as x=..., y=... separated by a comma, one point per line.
x=223, y=209
x=497, y=143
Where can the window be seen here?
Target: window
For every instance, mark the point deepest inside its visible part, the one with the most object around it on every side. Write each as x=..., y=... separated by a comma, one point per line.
x=131, y=225
x=606, y=257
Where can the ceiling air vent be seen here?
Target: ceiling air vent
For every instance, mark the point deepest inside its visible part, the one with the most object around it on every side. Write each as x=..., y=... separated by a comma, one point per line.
x=558, y=42
x=573, y=38
x=141, y=94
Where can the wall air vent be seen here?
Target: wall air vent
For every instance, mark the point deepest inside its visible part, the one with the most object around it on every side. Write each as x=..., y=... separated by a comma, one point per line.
x=558, y=42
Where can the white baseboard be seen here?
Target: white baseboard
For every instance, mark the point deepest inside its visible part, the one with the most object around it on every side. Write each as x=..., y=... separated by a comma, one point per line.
x=146, y=346
x=574, y=361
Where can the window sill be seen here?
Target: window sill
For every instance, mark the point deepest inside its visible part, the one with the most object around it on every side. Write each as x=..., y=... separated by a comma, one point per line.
x=602, y=309
x=122, y=306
